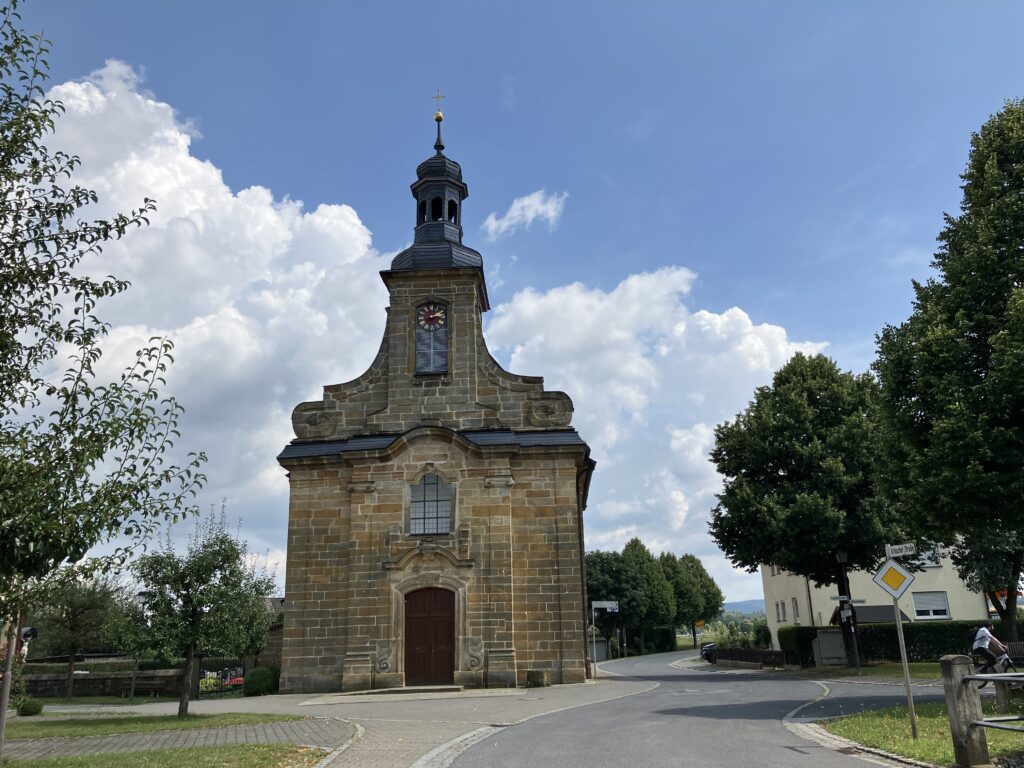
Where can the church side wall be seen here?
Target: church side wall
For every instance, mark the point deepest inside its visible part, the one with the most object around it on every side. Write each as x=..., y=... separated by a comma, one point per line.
x=313, y=642
x=548, y=610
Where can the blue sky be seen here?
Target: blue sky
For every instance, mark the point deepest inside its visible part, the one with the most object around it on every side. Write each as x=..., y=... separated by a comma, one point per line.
x=721, y=183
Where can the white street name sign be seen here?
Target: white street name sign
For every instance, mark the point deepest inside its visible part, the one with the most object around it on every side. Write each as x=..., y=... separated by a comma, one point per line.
x=900, y=550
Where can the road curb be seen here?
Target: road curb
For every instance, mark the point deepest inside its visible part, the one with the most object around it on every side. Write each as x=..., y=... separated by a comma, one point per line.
x=817, y=734
x=334, y=755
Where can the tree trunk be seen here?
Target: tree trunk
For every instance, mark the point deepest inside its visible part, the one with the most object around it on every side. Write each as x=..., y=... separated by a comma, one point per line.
x=69, y=683
x=693, y=631
x=1016, y=563
x=5, y=689
x=846, y=627
x=186, y=681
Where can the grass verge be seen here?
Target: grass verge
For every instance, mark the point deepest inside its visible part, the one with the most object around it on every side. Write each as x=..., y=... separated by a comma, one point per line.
x=56, y=727
x=233, y=756
x=919, y=670
x=889, y=729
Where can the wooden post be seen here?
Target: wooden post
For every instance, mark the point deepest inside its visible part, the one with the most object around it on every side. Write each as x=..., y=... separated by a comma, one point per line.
x=1002, y=697
x=970, y=747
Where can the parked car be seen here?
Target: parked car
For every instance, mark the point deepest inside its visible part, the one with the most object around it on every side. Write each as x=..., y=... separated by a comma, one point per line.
x=709, y=652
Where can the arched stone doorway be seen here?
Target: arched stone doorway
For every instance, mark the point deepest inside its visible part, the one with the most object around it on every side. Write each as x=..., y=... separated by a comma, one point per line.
x=430, y=637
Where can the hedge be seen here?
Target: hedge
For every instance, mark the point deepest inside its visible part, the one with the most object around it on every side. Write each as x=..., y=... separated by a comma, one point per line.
x=925, y=640
x=797, y=641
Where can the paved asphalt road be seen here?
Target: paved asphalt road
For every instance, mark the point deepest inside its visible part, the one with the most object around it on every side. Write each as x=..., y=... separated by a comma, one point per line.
x=697, y=716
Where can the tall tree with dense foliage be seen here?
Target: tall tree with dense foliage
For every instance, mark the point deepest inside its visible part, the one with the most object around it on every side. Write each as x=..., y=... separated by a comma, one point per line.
x=81, y=461
x=952, y=375
x=604, y=582
x=799, y=475
x=208, y=599
x=648, y=602
x=698, y=597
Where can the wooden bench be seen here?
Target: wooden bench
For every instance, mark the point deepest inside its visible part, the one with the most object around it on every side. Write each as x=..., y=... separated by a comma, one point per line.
x=142, y=687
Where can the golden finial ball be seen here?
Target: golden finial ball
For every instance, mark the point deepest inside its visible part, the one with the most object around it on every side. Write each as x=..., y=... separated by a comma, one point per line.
x=438, y=117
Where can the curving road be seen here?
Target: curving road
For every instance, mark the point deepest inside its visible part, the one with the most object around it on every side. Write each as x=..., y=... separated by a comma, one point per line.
x=696, y=716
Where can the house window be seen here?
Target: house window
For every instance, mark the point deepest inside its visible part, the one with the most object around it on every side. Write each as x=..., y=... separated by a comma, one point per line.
x=430, y=508
x=796, y=611
x=930, y=558
x=931, y=605
x=782, y=605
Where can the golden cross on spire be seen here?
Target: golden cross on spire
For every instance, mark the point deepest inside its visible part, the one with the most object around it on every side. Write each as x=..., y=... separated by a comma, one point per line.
x=438, y=98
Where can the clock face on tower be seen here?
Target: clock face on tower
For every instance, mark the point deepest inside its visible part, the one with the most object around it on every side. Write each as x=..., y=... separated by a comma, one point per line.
x=431, y=317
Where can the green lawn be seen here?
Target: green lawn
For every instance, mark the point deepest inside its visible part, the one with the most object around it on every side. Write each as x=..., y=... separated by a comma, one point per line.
x=50, y=727
x=234, y=756
x=919, y=670
x=889, y=729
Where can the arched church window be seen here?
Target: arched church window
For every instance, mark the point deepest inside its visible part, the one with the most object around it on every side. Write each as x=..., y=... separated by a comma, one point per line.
x=436, y=209
x=430, y=509
x=421, y=216
x=453, y=211
x=431, y=338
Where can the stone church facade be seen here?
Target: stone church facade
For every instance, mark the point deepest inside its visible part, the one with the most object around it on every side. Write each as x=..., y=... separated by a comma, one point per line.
x=435, y=530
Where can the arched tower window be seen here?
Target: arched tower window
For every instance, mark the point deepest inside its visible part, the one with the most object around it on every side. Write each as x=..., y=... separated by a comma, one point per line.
x=453, y=212
x=431, y=338
x=421, y=213
x=430, y=509
x=436, y=209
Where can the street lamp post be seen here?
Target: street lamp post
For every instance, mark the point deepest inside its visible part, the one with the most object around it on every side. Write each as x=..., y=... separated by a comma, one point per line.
x=842, y=558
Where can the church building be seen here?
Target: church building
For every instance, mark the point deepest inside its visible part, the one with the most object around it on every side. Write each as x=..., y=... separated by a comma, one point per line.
x=435, y=527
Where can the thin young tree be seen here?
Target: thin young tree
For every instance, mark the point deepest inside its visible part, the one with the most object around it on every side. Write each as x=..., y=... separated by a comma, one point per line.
x=211, y=598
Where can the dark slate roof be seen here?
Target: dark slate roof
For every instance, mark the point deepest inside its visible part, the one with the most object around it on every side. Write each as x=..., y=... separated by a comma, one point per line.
x=439, y=165
x=494, y=437
x=871, y=614
x=444, y=254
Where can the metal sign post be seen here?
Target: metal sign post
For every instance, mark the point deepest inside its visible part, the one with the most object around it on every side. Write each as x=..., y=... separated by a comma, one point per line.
x=895, y=580
x=612, y=606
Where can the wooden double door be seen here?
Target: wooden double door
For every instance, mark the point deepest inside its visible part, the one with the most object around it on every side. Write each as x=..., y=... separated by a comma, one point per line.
x=430, y=637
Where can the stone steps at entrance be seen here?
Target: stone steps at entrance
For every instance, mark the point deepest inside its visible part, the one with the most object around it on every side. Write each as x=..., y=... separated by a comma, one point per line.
x=408, y=689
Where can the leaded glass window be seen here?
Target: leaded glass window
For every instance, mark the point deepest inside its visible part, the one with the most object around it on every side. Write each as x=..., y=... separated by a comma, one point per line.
x=430, y=510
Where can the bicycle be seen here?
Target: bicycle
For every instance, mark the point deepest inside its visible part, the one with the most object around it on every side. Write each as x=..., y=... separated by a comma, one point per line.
x=983, y=666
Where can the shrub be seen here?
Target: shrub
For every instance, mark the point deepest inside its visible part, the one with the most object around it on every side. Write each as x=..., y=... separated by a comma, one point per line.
x=797, y=641
x=260, y=681
x=28, y=707
x=925, y=640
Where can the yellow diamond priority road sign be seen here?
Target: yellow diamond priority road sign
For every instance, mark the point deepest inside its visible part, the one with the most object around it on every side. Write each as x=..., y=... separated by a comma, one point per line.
x=893, y=578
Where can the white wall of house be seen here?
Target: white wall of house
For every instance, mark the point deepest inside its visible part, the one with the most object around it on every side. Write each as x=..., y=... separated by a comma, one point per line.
x=936, y=594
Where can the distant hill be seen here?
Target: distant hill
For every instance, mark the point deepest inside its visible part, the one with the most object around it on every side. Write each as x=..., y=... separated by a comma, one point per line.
x=745, y=606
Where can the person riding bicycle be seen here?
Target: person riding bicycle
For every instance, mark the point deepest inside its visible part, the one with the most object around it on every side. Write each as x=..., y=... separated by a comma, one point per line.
x=985, y=645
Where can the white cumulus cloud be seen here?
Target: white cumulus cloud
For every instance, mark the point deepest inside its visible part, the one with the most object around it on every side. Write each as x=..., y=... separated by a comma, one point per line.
x=649, y=377
x=266, y=301
x=524, y=211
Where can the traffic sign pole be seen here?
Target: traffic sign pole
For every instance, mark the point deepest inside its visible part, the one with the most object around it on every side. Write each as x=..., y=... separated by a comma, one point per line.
x=906, y=668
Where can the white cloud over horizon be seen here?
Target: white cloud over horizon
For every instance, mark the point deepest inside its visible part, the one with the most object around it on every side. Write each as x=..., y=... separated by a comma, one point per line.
x=524, y=211
x=268, y=301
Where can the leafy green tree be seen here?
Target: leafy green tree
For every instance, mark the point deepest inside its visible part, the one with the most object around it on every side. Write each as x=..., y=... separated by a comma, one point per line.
x=81, y=461
x=990, y=562
x=604, y=582
x=208, y=599
x=648, y=602
x=952, y=375
x=697, y=596
x=71, y=615
x=800, y=476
